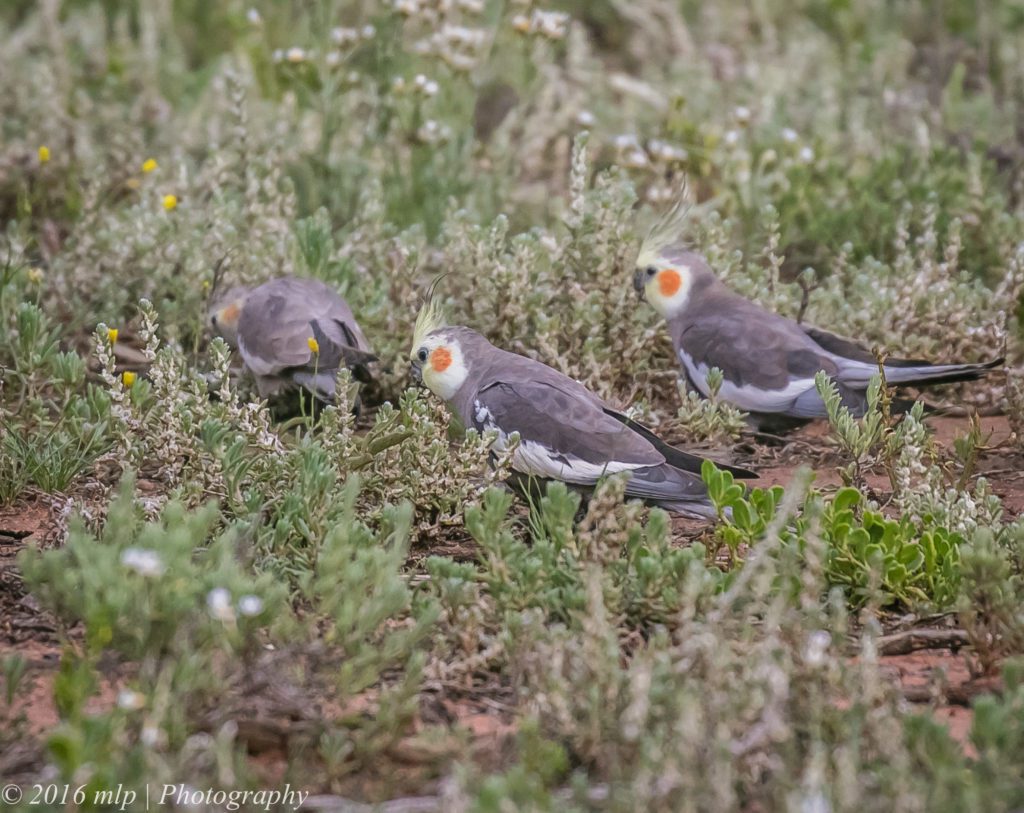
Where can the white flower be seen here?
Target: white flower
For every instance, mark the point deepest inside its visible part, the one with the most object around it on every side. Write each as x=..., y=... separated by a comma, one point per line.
x=253, y=16
x=431, y=132
x=151, y=735
x=660, y=194
x=731, y=138
x=295, y=54
x=142, y=561
x=585, y=119
x=663, y=151
x=130, y=700
x=344, y=36
x=806, y=155
x=789, y=135
x=431, y=88
x=818, y=643
x=742, y=115
x=461, y=62
x=815, y=803
x=462, y=35
x=671, y=153
x=550, y=24
x=333, y=59
x=635, y=159
x=625, y=141
x=250, y=605
x=218, y=601
x=368, y=32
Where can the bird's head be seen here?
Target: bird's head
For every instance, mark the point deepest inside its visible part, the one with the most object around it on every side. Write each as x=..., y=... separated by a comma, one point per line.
x=439, y=352
x=225, y=312
x=665, y=278
x=666, y=269
x=439, y=360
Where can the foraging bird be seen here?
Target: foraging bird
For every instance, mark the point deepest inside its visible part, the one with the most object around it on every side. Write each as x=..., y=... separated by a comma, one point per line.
x=566, y=432
x=768, y=362
x=293, y=331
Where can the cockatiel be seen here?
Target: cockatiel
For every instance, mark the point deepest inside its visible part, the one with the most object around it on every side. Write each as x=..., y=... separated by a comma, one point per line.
x=293, y=331
x=566, y=432
x=768, y=362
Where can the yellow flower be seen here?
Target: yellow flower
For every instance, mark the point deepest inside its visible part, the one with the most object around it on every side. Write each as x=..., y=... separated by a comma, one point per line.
x=149, y=165
x=35, y=275
x=314, y=345
x=170, y=201
x=128, y=378
x=112, y=334
x=44, y=154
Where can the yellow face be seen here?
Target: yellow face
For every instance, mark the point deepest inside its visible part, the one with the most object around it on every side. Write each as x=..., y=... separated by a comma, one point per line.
x=225, y=313
x=665, y=286
x=439, y=363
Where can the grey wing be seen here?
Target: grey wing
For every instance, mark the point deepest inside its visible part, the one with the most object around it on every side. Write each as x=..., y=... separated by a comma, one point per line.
x=768, y=362
x=756, y=348
x=281, y=316
x=562, y=437
x=852, y=350
x=339, y=346
x=684, y=461
x=567, y=434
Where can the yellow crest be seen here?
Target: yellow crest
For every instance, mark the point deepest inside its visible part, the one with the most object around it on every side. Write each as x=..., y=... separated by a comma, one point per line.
x=667, y=231
x=430, y=317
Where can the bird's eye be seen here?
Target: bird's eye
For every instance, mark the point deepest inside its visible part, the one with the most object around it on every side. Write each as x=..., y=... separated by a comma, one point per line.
x=651, y=270
x=422, y=355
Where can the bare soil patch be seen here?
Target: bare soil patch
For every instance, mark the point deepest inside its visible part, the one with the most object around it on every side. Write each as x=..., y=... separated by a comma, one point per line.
x=475, y=721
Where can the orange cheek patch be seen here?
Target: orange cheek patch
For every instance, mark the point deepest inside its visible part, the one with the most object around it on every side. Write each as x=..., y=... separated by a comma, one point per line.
x=441, y=359
x=230, y=313
x=669, y=282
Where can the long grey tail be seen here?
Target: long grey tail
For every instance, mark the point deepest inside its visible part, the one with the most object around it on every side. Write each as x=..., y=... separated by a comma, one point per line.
x=694, y=509
x=912, y=375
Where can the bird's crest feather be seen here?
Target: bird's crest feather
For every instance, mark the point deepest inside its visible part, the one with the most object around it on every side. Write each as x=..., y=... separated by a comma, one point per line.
x=667, y=231
x=430, y=317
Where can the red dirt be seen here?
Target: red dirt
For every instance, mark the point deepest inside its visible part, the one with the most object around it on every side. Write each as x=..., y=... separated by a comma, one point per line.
x=936, y=671
x=486, y=724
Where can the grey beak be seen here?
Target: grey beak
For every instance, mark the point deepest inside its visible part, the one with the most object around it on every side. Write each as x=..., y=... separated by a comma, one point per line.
x=638, y=283
x=416, y=373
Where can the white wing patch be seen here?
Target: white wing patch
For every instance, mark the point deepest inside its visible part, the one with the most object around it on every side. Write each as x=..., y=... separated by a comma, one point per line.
x=482, y=414
x=536, y=459
x=747, y=397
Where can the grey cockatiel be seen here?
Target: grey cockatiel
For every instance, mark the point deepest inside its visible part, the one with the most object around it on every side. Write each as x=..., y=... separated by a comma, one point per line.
x=293, y=331
x=768, y=362
x=566, y=432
